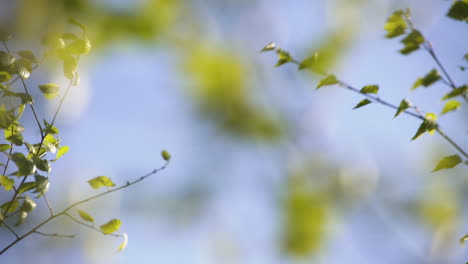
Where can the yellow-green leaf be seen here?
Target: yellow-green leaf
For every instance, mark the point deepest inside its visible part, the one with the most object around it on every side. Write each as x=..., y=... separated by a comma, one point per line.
x=85, y=216
x=463, y=239
x=124, y=243
x=412, y=42
x=50, y=90
x=271, y=46
x=111, y=226
x=430, y=78
x=374, y=89
x=395, y=25
x=363, y=103
x=459, y=10
x=404, y=104
x=448, y=162
x=101, y=181
x=462, y=90
x=165, y=155
x=61, y=151
x=329, y=80
x=451, y=105
x=6, y=182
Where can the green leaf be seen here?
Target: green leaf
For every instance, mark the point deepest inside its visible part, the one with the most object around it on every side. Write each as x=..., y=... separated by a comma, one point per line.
x=448, y=163
x=76, y=23
x=466, y=57
x=61, y=151
x=4, y=35
x=27, y=186
x=451, y=105
x=4, y=76
x=309, y=62
x=23, y=68
x=428, y=125
x=42, y=185
x=14, y=205
x=124, y=243
x=329, y=80
x=27, y=54
x=28, y=205
x=22, y=216
x=69, y=66
x=271, y=46
x=363, y=103
x=459, y=10
x=462, y=90
x=101, y=181
x=283, y=57
x=41, y=164
x=111, y=226
x=80, y=46
x=404, y=104
x=6, y=118
x=25, y=166
x=165, y=155
x=85, y=216
x=374, y=89
x=430, y=78
x=6, y=182
x=463, y=239
x=69, y=36
x=4, y=147
x=412, y=42
x=395, y=25
x=50, y=90
x=49, y=128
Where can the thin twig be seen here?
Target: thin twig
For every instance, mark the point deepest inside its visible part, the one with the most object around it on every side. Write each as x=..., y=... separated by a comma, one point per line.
x=63, y=212
x=48, y=204
x=11, y=229
x=53, y=235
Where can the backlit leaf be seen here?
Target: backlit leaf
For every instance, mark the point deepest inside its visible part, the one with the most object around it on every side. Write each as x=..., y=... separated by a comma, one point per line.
x=412, y=42
x=374, y=89
x=165, y=155
x=85, y=216
x=462, y=90
x=61, y=151
x=14, y=205
x=283, y=57
x=448, y=162
x=101, y=181
x=459, y=10
x=428, y=125
x=6, y=182
x=271, y=46
x=27, y=186
x=4, y=147
x=25, y=166
x=27, y=54
x=124, y=243
x=451, y=105
x=329, y=80
x=430, y=78
x=4, y=76
x=395, y=25
x=111, y=226
x=50, y=90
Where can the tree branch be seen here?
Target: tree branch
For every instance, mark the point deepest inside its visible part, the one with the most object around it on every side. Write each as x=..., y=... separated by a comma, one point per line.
x=53, y=235
x=88, y=225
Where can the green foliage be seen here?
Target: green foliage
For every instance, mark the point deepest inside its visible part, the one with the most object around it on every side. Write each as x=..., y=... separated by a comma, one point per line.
x=50, y=90
x=329, y=80
x=111, y=226
x=459, y=10
x=460, y=91
x=166, y=155
x=363, y=103
x=372, y=89
x=412, y=42
x=395, y=25
x=448, y=162
x=428, y=125
x=101, y=181
x=451, y=105
x=85, y=216
x=430, y=78
x=404, y=104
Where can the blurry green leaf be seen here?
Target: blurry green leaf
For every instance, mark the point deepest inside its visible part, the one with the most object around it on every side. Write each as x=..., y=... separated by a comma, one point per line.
x=124, y=243
x=23, y=68
x=111, y=226
x=101, y=181
x=22, y=216
x=430, y=78
x=48, y=128
x=459, y=10
x=451, y=105
x=42, y=185
x=50, y=90
x=4, y=76
x=69, y=36
x=28, y=205
x=4, y=35
x=27, y=186
x=463, y=239
x=6, y=118
x=283, y=57
x=61, y=151
x=25, y=166
x=25, y=98
x=80, y=46
x=412, y=42
x=374, y=89
x=466, y=57
x=309, y=62
x=271, y=46
x=6, y=182
x=6, y=60
x=41, y=164
x=69, y=66
x=448, y=163
x=329, y=80
x=428, y=125
x=462, y=90
x=27, y=54
x=363, y=103
x=4, y=147
x=404, y=104
x=395, y=25
x=166, y=155
x=85, y=216
x=14, y=205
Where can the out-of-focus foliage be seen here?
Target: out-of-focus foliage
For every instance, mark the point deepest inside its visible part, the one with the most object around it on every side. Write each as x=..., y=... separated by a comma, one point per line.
x=221, y=88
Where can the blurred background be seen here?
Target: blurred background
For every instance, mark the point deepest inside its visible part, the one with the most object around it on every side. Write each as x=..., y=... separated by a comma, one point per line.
x=265, y=169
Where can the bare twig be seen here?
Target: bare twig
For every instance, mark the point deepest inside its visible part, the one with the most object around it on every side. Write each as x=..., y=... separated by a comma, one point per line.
x=11, y=229
x=88, y=225
x=51, y=211
x=53, y=235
